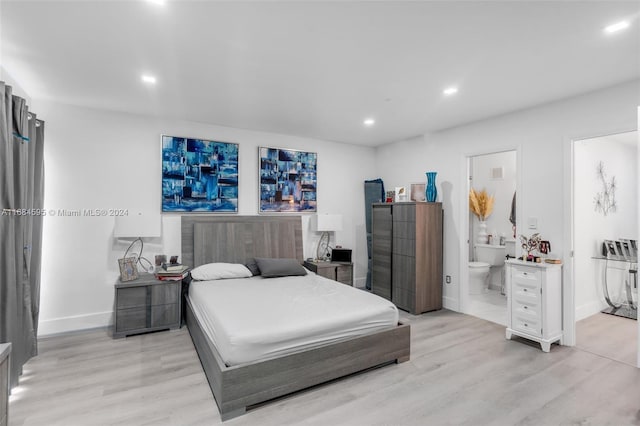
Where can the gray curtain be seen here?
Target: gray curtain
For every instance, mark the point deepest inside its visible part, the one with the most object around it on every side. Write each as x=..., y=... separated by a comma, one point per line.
x=373, y=193
x=22, y=196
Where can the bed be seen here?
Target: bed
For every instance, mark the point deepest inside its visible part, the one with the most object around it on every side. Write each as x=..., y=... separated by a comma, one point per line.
x=243, y=383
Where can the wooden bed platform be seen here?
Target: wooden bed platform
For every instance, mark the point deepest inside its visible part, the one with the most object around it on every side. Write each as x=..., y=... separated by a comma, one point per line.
x=235, y=239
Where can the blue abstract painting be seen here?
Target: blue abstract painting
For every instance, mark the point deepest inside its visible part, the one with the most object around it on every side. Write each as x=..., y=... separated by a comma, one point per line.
x=288, y=180
x=199, y=175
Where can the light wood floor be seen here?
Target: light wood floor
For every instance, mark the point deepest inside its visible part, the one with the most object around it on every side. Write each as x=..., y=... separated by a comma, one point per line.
x=462, y=372
x=609, y=336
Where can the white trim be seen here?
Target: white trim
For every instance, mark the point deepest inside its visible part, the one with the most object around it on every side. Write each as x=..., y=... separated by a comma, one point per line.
x=589, y=309
x=74, y=323
x=569, y=309
x=451, y=304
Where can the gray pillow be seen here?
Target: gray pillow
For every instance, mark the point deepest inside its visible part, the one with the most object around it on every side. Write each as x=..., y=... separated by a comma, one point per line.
x=253, y=267
x=271, y=268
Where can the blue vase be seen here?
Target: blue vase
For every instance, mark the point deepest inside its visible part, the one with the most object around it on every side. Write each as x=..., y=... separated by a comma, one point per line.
x=431, y=192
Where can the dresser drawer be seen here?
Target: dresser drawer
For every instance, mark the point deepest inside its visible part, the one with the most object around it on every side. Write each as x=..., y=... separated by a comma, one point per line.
x=527, y=324
x=525, y=274
x=526, y=292
x=527, y=308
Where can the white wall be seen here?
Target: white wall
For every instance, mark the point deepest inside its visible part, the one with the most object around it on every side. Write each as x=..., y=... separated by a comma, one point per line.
x=101, y=160
x=502, y=190
x=541, y=135
x=17, y=88
x=592, y=227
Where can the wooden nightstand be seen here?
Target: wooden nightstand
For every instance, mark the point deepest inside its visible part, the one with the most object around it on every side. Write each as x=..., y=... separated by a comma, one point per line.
x=337, y=271
x=146, y=304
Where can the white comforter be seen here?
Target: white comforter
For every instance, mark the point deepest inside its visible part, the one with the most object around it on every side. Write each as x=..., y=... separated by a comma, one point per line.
x=256, y=318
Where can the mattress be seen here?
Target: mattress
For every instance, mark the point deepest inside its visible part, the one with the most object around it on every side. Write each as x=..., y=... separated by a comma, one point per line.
x=250, y=319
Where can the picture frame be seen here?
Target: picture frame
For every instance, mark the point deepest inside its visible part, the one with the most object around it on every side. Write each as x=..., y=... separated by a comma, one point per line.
x=128, y=269
x=287, y=180
x=400, y=194
x=418, y=192
x=199, y=175
x=612, y=249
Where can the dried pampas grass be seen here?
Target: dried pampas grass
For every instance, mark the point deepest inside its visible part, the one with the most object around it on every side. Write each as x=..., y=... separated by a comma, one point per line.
x=480, y=203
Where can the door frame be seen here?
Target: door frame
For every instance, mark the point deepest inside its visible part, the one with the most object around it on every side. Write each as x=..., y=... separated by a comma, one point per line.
x=568, y=294
x=465, y=238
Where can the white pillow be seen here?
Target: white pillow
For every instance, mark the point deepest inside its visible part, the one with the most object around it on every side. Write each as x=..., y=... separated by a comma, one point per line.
x=220, y=271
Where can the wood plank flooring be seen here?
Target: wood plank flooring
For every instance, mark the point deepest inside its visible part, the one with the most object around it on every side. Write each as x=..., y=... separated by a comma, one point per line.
x=609, y=336
x=462, y=372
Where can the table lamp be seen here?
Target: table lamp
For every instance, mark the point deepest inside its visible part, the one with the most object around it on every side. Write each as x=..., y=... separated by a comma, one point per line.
x=326, y=223
x=137, y=226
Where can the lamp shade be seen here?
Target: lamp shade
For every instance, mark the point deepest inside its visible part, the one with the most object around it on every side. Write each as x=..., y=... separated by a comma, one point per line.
x=328, y=222
x=138, y=224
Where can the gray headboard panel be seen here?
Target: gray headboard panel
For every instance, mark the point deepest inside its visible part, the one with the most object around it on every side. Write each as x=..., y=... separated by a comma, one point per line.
x=235, y=239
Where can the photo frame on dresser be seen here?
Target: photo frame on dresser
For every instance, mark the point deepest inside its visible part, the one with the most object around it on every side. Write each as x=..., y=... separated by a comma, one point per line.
x=199, y=175
x=287, y=180
x=128, y=269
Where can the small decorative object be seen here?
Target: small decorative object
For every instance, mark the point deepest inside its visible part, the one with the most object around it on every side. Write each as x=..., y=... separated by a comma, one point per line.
x=530, y=244
x=391, y=195
x=401, y=194
x=128, y=269
x=431, y=192
x=544, y=247
x=605, y=201
x=160, y=259
x=288, y=180
x=481, y=205
x=418, y=191
x=173, y=260
x=199, y=175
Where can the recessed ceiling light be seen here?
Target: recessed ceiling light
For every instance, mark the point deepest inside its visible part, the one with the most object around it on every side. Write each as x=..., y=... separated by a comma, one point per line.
x=450, y=91
x=618, y=26
x=158, y=2
x=369, y=122
x=149, y=79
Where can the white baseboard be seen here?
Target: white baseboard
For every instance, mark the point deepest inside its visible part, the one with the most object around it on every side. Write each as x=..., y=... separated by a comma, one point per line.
x=75, y=323
x=588, y=309
x=451, y=303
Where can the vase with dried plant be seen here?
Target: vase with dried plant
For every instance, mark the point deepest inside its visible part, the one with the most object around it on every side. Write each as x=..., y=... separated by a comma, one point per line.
x=481, y=205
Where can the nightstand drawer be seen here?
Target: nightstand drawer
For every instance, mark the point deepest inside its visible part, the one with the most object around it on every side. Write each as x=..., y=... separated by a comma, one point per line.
x=131, y=297
x=165, y=294
x=164, y=315
x=131, y=319
x=344, y=274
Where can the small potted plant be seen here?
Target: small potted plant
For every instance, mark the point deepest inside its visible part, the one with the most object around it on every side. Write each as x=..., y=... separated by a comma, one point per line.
x=529, y=245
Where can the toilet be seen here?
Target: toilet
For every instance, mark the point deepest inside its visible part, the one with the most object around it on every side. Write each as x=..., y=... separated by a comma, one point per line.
x=487, y=255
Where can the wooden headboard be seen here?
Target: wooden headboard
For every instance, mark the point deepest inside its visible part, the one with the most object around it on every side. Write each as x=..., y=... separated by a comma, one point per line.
x=235, y=239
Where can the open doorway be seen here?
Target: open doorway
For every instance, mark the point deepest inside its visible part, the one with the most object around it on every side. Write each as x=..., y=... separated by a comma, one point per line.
x=605, y=235
x=492, y=239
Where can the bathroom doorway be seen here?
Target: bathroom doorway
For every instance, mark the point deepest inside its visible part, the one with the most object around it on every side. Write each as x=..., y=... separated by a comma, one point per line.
x=493, y=177
x=605, y=206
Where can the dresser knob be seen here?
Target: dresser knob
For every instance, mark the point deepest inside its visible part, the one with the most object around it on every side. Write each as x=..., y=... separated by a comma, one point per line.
x=526, y=307
x=525, y=290
x=526, y=325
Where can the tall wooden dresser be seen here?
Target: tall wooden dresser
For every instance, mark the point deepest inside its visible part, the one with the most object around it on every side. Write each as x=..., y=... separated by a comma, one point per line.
x=407, y=254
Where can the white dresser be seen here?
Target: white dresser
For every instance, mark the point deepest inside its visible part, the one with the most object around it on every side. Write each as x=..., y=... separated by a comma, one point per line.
x=534, y=301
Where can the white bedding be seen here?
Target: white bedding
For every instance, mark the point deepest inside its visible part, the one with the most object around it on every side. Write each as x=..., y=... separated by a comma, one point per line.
x=255, y=318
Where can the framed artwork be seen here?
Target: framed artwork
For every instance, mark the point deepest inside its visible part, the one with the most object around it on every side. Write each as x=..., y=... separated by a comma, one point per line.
x=128, y=269
x=199, y=175
x=288, y=180
x=401, y=194
x=418, y=192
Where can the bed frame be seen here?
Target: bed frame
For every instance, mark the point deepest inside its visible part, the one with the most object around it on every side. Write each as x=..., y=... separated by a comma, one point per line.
x=235, y=239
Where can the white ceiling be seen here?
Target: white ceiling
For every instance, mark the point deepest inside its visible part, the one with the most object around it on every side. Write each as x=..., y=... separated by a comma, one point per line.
x=318, y=69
